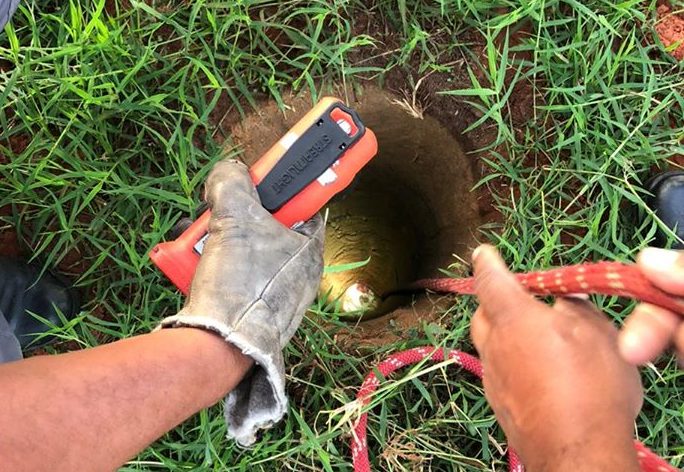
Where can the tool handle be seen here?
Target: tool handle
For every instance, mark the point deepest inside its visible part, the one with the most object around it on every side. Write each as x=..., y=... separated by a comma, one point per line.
x=304, y=146
x=177, y=259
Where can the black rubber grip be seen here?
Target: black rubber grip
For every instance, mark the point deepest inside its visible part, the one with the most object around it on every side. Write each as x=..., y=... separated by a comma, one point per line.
x=309, y=156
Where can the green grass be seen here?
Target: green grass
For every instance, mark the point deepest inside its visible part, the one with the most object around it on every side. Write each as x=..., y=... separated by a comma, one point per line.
x=118, y=105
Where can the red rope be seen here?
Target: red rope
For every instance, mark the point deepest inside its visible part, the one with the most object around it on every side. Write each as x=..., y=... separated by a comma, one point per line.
x=606, y=278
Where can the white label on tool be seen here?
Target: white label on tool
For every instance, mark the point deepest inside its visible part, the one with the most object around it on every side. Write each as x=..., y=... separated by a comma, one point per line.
x=345, y=125
x=199, y=245
x=288, y=140
x=327, y=177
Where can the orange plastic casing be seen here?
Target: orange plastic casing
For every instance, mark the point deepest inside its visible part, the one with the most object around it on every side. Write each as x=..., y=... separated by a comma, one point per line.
x=178, y=259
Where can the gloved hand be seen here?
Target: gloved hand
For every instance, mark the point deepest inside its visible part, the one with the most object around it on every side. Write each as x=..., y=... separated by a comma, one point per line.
x=253, y=284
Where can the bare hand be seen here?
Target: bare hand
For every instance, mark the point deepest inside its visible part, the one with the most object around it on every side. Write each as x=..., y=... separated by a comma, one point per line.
x=553, y=375
x=650, y=329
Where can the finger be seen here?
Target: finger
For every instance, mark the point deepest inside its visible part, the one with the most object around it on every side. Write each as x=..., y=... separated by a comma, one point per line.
x=647, y=332
x=499, y=293
x=574, y=305
x=229, y=191
x=679, y=344
x=579, y=307
x=313, y=228
x=578, y=296
x=665, y=268
x=479, y=330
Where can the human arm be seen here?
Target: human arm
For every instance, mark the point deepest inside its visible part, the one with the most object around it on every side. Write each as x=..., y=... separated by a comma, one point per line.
x=553, y=376
x=649, y=330
x=102, y=406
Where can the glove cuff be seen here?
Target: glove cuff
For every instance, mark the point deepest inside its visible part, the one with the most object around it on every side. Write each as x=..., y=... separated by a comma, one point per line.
x=259, y=401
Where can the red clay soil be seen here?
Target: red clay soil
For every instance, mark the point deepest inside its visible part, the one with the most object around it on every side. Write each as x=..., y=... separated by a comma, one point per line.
x=9, y=243
x=670, y=29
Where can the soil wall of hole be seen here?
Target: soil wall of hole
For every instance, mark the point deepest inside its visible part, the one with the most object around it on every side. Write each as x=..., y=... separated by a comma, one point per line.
x=412, y=209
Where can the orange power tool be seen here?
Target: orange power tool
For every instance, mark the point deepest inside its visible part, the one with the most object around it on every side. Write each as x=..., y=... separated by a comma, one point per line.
x=316, y=159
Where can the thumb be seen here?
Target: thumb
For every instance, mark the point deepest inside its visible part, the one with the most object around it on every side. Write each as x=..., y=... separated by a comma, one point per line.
x=230, y=192
x=499, y=293
x=664, y=268
x=314, y=230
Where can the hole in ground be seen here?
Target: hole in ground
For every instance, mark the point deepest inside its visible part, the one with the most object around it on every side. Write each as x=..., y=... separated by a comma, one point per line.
x=411, y=210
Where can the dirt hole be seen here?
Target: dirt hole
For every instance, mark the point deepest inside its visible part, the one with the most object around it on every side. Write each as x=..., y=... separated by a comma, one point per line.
x=411, y=210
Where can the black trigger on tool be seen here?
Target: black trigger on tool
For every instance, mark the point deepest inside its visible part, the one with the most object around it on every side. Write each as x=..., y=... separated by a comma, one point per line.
x=309, y=156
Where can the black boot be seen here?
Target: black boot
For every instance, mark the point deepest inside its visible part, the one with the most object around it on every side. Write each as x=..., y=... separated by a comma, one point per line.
x=668, y=204
x=23, y=293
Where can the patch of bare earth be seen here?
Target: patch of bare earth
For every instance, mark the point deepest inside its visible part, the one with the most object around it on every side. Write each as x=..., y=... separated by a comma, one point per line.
x=414, y=94
x=670, y=29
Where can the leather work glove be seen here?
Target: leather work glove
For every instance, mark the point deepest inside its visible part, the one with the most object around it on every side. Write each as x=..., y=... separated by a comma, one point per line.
x=254, y=282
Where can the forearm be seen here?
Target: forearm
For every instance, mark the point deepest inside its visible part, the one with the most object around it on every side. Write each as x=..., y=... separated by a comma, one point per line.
x=101, y=406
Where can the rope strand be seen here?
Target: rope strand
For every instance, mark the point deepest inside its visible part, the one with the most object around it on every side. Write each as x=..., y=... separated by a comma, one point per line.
x=604, y=278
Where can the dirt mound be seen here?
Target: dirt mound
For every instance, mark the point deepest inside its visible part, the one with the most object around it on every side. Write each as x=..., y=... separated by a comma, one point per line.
x=670, y=30
x=412, y=209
